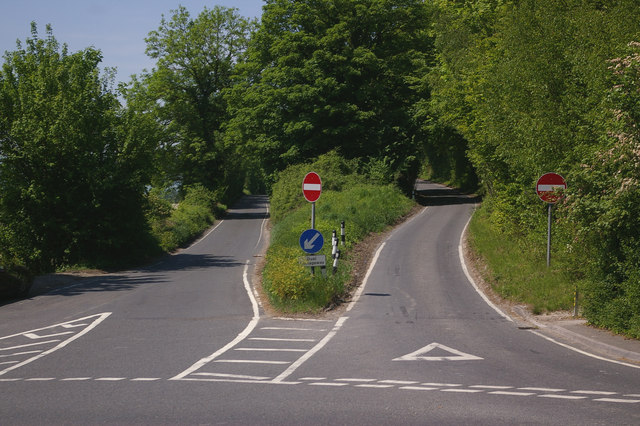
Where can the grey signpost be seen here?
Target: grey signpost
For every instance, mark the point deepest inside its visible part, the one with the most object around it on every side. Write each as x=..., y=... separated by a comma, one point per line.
x=550, y=188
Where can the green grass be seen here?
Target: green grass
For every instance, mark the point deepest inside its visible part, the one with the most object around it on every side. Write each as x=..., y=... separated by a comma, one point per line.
x=365, y=208
x=518, y=268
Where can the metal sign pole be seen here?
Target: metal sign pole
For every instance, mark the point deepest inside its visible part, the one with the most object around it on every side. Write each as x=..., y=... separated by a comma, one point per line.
x=313, y=226
x=549, y=236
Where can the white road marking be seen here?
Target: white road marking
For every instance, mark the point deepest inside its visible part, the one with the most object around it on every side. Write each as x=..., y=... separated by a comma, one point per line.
x=398, y=382
x=472, y=281
x=276, y=339
x=21, y=353
x=361, y=383
x=587, y=392
x=291, y=329
x=442, y=384
x=239, y=338
x=328, y=384
x=583, y=352
x=311, y=352
x=269, y=350
x=491, y=387
x=29, y=345
x=34, y=336
x=418, y=388
x=623, y=401
x=251, y=361
x=372, y=385
x=232, y=376
x=91, y=325
x=462, y=390
x=543, y=389
x=512, y=393
x=419, y=355
x=562, y=396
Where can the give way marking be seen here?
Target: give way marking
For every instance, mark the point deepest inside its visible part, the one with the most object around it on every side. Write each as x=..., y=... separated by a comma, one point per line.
x=22, y=348
x=420, y=354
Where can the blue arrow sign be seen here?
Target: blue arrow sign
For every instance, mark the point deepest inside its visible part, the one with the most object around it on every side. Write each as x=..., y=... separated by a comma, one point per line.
x=311, y=241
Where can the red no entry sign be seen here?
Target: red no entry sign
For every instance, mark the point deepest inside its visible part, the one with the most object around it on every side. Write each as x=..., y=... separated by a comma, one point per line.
x=311, y=187
x=550, y=187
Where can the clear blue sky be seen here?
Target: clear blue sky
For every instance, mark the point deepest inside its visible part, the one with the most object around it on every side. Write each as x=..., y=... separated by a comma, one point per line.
x=116, y=27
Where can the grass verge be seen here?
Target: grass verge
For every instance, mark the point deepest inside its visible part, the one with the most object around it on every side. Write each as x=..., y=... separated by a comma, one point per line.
x=517, y=269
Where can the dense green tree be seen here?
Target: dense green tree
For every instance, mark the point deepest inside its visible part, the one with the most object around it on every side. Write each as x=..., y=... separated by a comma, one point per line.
x=327, y=74
x=196, y=58
x=72, y=173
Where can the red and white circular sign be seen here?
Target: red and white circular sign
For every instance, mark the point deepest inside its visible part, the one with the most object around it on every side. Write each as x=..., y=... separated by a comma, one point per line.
x=311, y=187
x=550, y=187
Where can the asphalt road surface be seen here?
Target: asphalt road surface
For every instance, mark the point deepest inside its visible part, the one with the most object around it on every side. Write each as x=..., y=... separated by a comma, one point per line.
x=186, y=341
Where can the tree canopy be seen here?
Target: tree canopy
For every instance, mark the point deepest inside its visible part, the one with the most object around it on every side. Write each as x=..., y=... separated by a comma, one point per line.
x=325, y=75
x=71, y=175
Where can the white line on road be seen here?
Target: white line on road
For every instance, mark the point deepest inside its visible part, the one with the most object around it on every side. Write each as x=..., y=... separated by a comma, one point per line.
x=232, y=376
x=292, y=329
x=98, y=320
x=276, y=339
x=20, y=353
x=30, y=344
x=34, y=336
x=543, y=389
x=239, y=338
x=624, y=401
x=252, y=361
x=562, y=396
x=512, y=393
x=311, y=352
x=422, y=388
x=583, y=352
x=491, y=387
x=472, y=281
x=586, y=392
x=269, y=350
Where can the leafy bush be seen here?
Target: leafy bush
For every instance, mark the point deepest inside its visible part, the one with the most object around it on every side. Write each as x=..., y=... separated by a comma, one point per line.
x=335, y=172
x=174, y=228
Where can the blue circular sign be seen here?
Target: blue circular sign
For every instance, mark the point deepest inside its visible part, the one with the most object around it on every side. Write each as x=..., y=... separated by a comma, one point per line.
x=311, y=241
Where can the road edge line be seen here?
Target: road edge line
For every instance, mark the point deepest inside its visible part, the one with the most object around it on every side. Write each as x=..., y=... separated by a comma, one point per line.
x=239, y=338
x=470, y=278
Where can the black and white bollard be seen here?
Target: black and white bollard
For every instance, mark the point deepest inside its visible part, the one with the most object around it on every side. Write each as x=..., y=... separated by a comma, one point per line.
x=334, y=244
x=335, y=262
x=342, y=234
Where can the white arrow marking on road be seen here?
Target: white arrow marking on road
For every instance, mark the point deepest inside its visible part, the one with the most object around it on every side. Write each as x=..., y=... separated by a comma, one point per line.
x=32, y=335
x=419, y=354
x=308, y=244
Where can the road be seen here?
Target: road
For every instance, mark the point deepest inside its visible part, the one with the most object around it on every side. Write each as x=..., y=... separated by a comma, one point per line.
x=185, y=341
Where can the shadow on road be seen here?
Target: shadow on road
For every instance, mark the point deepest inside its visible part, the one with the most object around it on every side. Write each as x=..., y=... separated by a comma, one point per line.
x=72, y=284
x=430, y=194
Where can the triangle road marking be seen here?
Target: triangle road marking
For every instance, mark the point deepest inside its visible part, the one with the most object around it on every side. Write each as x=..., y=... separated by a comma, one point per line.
x=420, y=354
